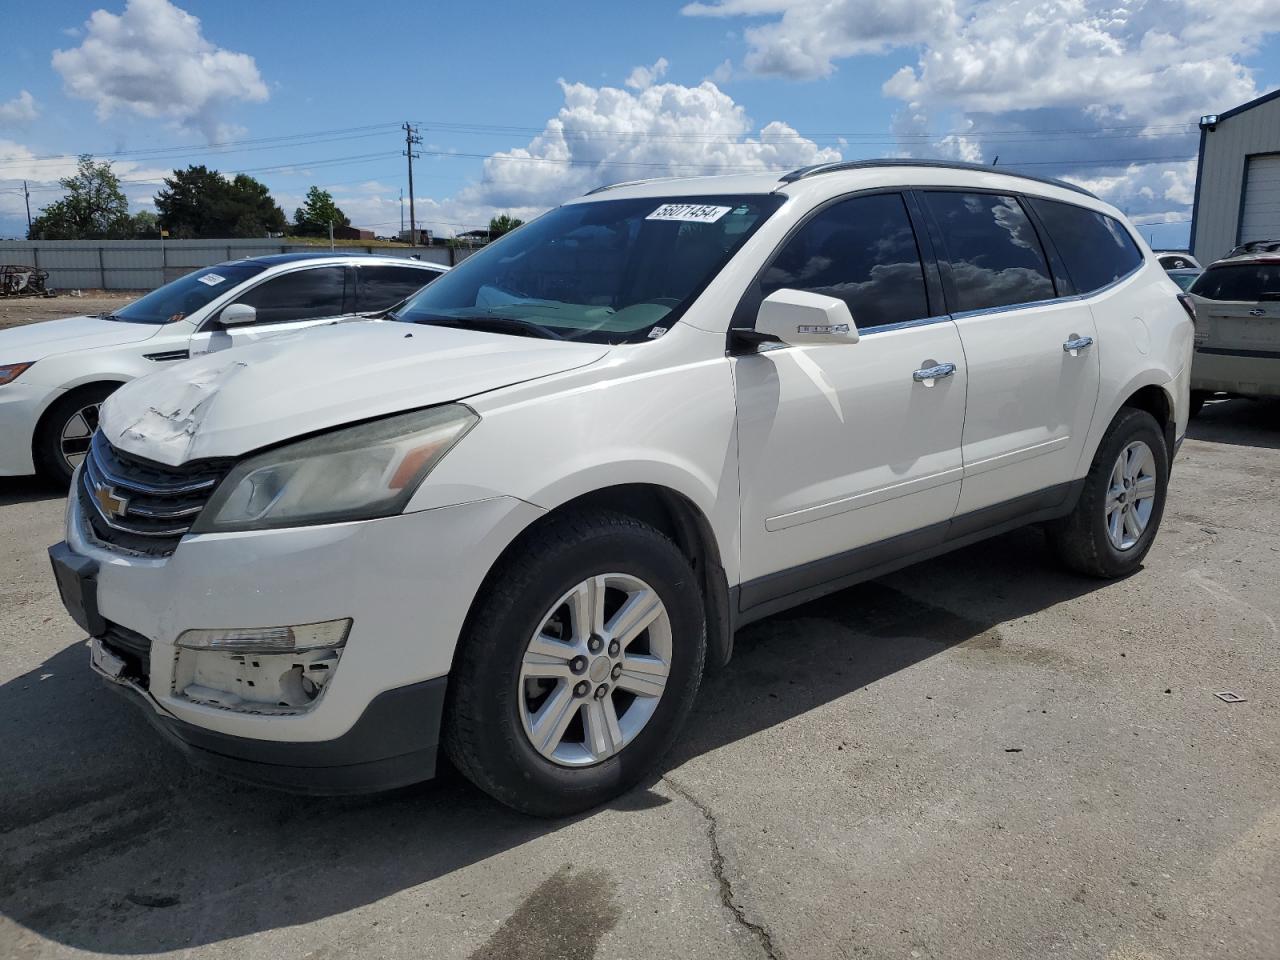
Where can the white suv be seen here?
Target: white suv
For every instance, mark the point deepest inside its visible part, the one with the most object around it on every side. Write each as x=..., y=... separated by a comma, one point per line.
x=519, y=523
x=55, y=375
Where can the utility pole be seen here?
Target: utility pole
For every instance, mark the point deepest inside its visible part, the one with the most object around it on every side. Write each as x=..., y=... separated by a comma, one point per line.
x=401, y=233
x=330, y=234
x=27, y=196
x=410, y=139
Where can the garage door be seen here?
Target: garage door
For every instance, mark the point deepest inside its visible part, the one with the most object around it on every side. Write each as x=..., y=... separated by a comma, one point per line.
x=1260, y=215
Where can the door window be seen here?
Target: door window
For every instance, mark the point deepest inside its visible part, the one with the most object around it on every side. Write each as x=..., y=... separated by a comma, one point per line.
x=300, y=295
x=384, y=286
x=864, y=252
x=995, y=256
x=1096, y=249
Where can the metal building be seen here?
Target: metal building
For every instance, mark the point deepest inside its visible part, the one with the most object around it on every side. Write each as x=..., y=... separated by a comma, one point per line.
x=1237, y=179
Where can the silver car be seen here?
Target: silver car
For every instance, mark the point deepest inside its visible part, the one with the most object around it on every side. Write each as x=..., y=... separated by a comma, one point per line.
x=1237, y=301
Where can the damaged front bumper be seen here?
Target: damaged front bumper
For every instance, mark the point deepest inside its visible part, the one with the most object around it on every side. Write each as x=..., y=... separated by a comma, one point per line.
x=394, y=742
x=404, y=582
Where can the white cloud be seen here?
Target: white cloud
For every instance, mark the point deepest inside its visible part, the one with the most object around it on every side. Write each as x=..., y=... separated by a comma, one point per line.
x=642, y=77
x=153, y=60
x=1075, y=88
x=18, y=111
x=603, y=135
x=722, y=74
x=811, y=34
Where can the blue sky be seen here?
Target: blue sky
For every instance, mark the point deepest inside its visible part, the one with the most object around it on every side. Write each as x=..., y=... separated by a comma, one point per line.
x=1036, y=83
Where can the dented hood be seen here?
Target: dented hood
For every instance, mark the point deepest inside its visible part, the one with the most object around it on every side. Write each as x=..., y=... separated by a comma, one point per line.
x=35, y=341
x=228, y=403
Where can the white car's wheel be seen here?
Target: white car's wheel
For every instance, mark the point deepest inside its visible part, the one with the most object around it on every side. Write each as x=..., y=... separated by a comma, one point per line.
x=579, y=666
x=1115, y=521
x=63, y=434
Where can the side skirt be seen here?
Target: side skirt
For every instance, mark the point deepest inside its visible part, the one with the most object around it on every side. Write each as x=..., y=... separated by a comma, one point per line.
x=778, y=591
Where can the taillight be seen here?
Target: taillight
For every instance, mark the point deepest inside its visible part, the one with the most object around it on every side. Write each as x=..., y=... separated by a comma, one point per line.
x=1188, y=305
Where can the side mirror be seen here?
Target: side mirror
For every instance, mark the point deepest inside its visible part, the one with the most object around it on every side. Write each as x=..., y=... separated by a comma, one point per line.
x=799, y=318
x=237, y=315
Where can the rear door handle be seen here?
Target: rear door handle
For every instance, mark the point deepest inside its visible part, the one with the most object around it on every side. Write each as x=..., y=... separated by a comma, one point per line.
x=1074, y=345
x=937, y=371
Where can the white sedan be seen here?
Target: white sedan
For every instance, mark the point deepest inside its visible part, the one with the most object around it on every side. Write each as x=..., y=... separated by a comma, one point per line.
x=54, y=375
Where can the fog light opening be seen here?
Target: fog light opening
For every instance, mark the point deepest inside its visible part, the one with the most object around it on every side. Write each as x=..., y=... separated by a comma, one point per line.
x=247, y=670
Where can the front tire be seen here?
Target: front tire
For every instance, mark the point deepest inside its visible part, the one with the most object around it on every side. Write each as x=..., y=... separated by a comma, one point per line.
x=578, y=667
x=62, y=436
x=1116, y=518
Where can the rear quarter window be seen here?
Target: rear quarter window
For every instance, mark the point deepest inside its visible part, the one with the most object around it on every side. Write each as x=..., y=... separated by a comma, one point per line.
x=1095, y=249
x=1239, y=281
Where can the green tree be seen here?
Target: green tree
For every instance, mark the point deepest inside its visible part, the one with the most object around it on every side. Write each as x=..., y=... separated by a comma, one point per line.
x=316, y=213
x=503, y=223
x=95, y=208
x=199, y=202
x=144, y=225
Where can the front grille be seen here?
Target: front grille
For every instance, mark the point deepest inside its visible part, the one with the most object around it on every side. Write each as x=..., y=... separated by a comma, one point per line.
x=131, y=647
x=141, y=506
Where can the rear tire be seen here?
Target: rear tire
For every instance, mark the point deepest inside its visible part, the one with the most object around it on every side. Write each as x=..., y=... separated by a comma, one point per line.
x=62, y=435
x=1116, y=518
x=539, y=645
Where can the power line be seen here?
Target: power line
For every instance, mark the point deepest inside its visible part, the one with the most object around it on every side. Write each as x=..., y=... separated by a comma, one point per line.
x=226, y=146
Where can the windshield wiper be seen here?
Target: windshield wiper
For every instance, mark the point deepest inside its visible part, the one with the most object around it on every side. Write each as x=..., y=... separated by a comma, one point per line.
x=496, y=325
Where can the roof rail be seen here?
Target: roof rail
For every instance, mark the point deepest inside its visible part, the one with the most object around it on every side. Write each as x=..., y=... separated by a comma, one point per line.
x=621, y=183
x=1255, y=246
x=813, y=171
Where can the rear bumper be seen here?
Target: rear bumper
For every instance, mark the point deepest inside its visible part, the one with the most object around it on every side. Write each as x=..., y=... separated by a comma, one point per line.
x=1250, y=373
x=393, y=744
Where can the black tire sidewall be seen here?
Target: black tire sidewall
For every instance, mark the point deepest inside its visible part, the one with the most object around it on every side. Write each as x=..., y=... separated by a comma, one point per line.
x=47, y=448
x=497, y=644
x=1130, y=425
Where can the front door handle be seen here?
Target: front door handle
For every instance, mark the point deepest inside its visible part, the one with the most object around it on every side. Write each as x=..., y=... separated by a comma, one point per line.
x=1075, y=344
x=933, y=371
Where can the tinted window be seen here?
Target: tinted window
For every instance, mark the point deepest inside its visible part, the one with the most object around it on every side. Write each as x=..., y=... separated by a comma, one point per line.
x=381, y=287
x=995, y=255
x=300, y=295
x=1170, y=261
x=864, y=252
x=1240, y=281
x=1096, y=249
x=608, y=271
x=186, y=295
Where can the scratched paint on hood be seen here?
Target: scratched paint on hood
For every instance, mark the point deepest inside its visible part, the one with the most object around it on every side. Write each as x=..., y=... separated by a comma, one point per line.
x=230, y=402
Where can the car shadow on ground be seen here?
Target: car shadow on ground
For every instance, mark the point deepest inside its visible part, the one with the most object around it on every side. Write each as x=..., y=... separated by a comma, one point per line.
x=112, y=843
x=1239, y=421
x=28, y=490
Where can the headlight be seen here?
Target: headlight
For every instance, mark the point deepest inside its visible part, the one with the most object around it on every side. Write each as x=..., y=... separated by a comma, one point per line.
x=355, y=473
x=11, y=371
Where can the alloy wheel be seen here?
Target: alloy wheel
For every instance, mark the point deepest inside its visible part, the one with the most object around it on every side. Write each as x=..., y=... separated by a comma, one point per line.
x=595, y=670
x=1131, y=495
x=76, y=434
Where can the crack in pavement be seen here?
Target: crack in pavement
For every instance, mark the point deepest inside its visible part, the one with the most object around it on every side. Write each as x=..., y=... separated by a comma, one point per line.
x=759, y=931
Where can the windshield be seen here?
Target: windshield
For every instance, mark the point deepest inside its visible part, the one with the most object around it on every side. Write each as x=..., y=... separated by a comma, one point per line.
x=1240, y=281
x=607, y=271
x=1184, y=278
x=186, y=295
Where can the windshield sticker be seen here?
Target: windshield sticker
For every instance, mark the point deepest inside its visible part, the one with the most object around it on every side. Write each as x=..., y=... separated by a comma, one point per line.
x=656, y=332
x=212, y=279
x=688, y=213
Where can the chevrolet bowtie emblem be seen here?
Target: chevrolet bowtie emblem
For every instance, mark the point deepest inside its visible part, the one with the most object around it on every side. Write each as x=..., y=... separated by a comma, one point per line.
x=110, y=504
